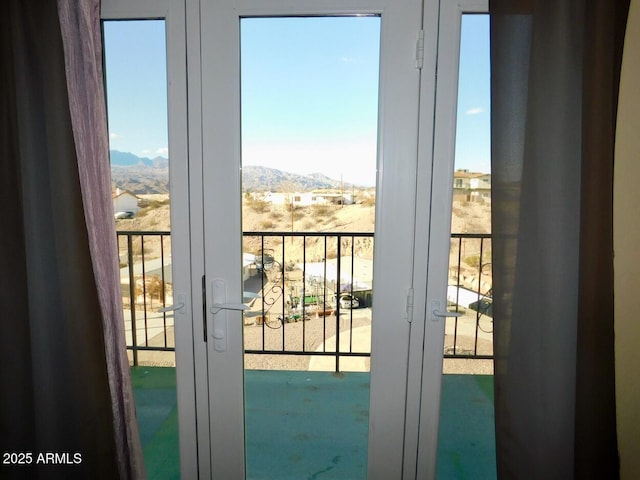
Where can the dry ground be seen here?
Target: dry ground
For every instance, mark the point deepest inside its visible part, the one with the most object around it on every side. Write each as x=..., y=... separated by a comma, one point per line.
x=466, y=218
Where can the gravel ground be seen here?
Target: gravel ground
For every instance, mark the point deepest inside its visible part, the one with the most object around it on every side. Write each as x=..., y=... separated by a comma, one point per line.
x=300, y=336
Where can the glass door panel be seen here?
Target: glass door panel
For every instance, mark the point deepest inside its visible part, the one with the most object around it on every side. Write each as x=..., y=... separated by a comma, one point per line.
x=466, y=434
x=469, y=287
x=136, y=87
x=309, y=154
x=310, y=93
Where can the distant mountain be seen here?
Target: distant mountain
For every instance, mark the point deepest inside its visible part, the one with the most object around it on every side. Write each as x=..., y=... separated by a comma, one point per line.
x=126, y=159
x=142, y=175
x=260, y=179
x=139, y=175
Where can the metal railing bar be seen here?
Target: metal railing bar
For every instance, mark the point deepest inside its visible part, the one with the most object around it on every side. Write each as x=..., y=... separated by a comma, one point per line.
x=144, y=292
x=455, y=325
x=307, y=353
x=479, y=297
x=471, y=235
x=351, y=292
x=163, y=290
x=142, y=348
x=132, y=298
x=338, y=276
x=308, y=234
x=304, y=262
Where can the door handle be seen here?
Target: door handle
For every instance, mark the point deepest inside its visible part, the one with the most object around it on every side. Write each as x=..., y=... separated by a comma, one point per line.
x=216, y=307
x=437, y=313
x=219, y=311
x=179, y=306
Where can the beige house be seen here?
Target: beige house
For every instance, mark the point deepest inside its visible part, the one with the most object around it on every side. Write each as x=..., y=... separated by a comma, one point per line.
x=471, y=186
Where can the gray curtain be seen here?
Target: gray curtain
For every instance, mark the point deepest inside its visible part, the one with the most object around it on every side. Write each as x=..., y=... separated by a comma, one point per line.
x=64, y=373
x=555, y=68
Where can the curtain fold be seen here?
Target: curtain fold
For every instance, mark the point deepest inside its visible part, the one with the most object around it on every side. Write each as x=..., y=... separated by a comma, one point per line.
x=555, y=67
x=65, y=386
x=82, y=41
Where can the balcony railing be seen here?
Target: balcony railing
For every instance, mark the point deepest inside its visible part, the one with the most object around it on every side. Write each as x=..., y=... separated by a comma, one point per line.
x=145, y=276
x=469, y=292
x=310, y=296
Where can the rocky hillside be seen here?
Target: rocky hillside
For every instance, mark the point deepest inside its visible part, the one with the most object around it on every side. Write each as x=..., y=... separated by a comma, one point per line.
x=139, y=175
x=263, y=179
x=142, y=175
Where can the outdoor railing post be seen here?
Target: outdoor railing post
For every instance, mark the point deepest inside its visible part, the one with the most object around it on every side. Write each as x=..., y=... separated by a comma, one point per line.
x=338, y=261
x=455, y=319
x=480, y=296
x=144, y=292
x=132, y=300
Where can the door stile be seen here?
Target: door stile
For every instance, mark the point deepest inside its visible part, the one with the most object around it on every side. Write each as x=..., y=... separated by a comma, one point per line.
x=423, y=227
x=201, y=464
x=182, y=234
x=220, y=55
x=395, y=218
x=443, y=135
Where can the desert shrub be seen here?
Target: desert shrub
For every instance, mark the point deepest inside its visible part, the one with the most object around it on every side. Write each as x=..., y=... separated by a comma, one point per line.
x=159, y=203
x=472, y=260
x=267, y=224
x=369, y=201
x=320, y=210
x=257, y=205
x=136, y=247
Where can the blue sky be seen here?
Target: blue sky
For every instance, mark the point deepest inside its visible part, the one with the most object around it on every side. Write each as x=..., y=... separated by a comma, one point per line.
x=136, y=71
x=309, y=93
x=473, y=142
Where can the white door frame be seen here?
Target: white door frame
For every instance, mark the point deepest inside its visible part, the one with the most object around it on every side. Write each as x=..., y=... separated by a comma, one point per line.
x=185, y=280
x=393, y=264
x=434, y=201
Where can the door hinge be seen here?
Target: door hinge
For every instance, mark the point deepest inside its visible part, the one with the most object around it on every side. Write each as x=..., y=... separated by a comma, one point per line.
x=420, y=50
x=409, y=312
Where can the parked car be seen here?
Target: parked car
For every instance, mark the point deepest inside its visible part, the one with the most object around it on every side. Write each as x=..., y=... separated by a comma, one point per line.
x=121, y=215
x=348, y=301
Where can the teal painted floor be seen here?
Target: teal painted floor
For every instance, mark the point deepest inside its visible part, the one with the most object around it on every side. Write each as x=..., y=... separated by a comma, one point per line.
x=313, y=425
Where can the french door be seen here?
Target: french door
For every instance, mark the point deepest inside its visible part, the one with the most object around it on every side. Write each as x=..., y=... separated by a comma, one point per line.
x=220, y=53
x=414, y=165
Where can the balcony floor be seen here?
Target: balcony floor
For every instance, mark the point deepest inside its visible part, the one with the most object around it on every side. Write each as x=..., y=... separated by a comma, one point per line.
x=286, y=411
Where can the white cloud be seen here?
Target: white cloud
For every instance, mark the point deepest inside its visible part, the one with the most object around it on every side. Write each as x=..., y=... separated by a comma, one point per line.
x=474, y=111
x=115, y=136
x=164, y=151
x=347, y=60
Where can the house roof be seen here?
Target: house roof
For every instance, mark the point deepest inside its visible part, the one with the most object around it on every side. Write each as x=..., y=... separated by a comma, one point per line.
x=115, y=194
x=465, y=174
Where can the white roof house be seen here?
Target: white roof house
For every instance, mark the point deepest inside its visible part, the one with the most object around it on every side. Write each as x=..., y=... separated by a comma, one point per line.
x=125, y=201
x=361, y=279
